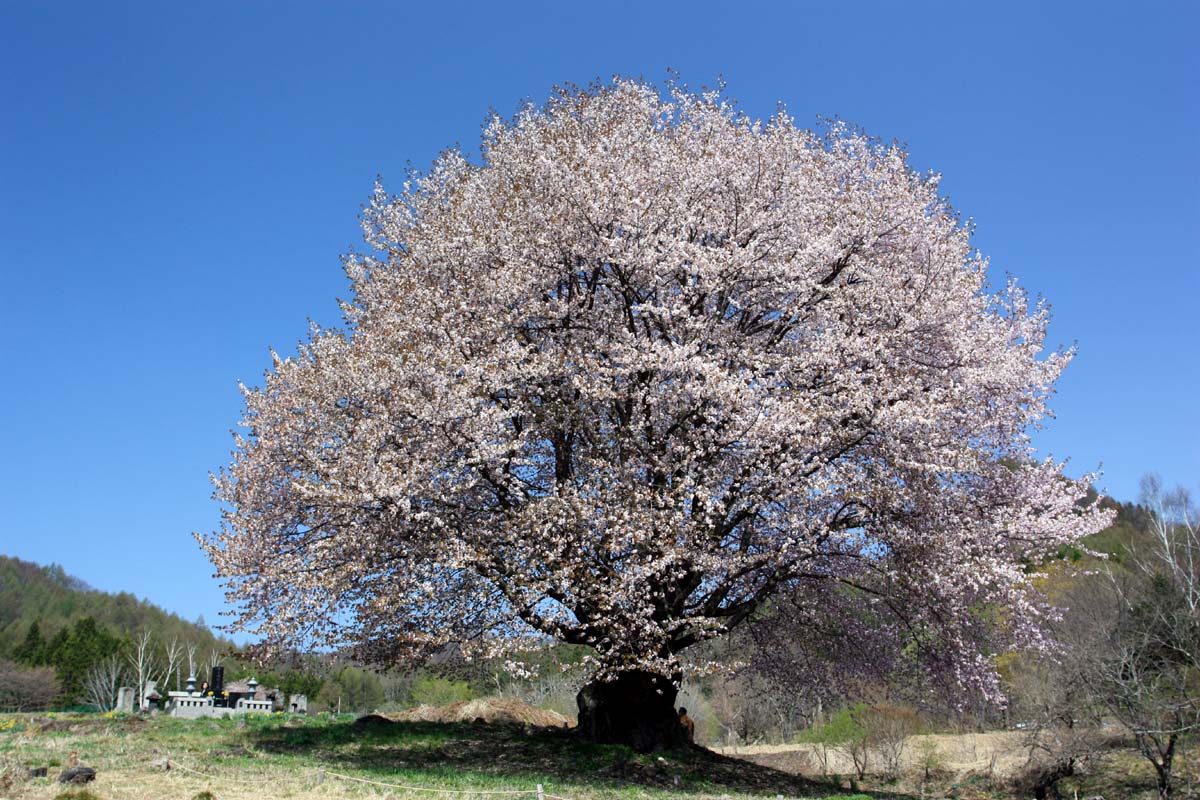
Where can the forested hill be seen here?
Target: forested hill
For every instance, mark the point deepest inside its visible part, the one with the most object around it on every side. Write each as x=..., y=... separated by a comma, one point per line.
x=55, y=600
x=1129, y=532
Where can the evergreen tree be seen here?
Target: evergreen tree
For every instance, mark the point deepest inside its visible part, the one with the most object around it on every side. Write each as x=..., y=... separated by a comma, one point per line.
x=56, y=647
x=297, y=682
x=73, y=653
x=32, y=650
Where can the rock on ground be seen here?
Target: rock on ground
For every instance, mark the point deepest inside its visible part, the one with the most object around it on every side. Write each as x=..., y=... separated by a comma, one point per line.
x=77, y=775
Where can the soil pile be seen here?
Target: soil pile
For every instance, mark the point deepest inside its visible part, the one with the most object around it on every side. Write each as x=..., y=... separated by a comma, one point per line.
x=488, y=709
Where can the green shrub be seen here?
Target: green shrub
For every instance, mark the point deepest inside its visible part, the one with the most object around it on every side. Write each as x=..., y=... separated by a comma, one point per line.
x=76, y=794
x=841, y=727
x=350, y=690
x=843, y=731
x=930, y=765
x=437, y=691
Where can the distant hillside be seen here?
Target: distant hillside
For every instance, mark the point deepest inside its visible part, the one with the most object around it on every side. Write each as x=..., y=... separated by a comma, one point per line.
x=55, y=600
x=1129, y=533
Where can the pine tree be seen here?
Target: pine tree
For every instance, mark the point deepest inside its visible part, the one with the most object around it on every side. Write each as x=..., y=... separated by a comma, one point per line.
x=56, y=647
x=72, y=653
x=32, y=650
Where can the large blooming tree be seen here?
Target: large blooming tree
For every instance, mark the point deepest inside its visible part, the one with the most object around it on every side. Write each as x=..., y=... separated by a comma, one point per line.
x=644, y=369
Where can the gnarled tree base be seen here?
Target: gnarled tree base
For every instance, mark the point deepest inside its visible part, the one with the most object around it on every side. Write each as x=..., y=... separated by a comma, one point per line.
x=636, y=708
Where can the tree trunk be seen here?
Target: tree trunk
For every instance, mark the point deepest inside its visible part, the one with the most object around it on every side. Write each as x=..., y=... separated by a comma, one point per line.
x=1161, y=757
x=1164, y=769
x=636, y=708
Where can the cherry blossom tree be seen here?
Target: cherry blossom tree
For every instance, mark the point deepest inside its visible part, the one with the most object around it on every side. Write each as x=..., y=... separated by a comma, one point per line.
x=644, y=368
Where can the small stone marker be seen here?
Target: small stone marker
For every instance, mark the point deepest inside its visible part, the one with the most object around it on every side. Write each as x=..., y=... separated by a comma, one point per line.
x=161, y=763
x=150, y=696
x=125, y=699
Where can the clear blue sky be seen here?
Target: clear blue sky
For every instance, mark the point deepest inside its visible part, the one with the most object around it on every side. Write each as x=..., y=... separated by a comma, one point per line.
x=177, y=181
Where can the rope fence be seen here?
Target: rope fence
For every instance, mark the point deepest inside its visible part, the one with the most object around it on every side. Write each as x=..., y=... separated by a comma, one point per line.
x=172, y=764
x=539, y=791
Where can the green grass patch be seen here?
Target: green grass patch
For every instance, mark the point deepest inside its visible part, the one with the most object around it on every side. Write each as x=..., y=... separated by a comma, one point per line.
x=466, y=756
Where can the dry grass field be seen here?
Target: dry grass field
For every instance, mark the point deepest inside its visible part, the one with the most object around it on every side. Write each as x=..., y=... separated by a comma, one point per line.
x=999, y=753
x=983, y=766
x=306, y=758
x=311, y=758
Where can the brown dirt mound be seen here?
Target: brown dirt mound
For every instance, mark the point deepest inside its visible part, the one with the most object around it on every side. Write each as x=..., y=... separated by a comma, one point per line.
x=488, y=709
x=371, y=719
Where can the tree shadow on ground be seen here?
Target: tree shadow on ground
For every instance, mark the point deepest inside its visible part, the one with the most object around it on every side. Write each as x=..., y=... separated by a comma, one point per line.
x=509, y=751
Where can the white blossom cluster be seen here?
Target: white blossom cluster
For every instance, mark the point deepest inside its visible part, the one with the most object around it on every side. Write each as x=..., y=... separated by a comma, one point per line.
x=647, y=366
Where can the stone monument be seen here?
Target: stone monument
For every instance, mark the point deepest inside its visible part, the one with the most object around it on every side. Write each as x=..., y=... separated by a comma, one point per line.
x=125, y=699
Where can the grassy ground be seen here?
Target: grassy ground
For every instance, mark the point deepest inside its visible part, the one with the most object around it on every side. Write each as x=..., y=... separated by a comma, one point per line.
x=983, y=766
x=307, y=758
x=311, y=758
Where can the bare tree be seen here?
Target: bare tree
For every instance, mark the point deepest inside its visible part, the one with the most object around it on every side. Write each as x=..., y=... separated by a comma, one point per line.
x=172, y=658
x=729, y=708
x=858, y=750
x=1175, y=527
x=103, y=682
x=769, y=711
x=1149, y=681
x=1064, y=731
x=553, y=689
x=887, y=728
x=191, y=659
x=1150, y=677
x=26, y=688
x=141, y=662
x=1052, y=696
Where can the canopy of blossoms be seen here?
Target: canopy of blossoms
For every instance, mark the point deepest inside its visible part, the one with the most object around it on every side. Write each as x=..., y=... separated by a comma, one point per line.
x=646, y=366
